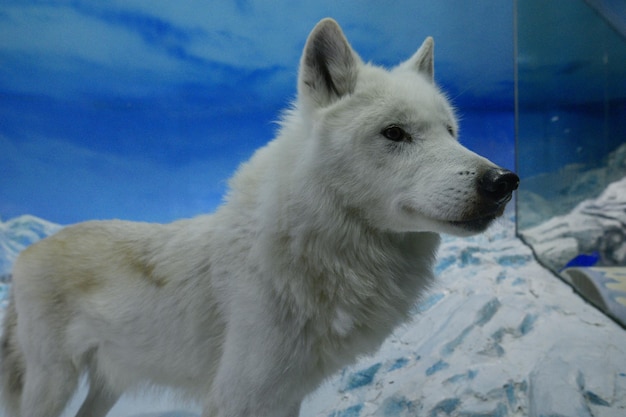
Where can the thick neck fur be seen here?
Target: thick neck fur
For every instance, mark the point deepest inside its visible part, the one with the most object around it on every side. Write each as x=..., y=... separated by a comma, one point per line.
x=327, y=252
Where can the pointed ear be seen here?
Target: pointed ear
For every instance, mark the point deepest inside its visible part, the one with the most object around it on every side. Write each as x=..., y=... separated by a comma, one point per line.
x=328, y=67
x=423, y=60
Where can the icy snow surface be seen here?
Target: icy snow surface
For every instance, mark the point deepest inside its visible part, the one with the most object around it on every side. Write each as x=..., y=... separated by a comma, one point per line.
x=499, y=336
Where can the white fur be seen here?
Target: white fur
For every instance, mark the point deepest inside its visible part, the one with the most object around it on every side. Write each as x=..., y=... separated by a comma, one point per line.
x=327, y=238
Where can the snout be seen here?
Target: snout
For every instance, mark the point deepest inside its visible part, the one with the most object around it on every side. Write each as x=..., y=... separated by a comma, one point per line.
x=497, y=185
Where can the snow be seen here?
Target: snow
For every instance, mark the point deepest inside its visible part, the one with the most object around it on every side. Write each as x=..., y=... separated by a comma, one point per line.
x=15, y=235
x=545, y=196
x=18, y=233
x=596, y=224
x=498, y=336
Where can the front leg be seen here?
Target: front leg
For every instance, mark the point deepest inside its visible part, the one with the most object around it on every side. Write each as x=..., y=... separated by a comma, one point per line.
x=265, y=369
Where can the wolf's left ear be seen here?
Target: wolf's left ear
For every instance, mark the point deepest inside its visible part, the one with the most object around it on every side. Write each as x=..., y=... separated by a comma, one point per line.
x=423, y=60
x=329, y=65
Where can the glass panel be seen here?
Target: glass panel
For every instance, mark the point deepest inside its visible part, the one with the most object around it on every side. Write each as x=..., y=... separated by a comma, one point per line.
x=571, y=144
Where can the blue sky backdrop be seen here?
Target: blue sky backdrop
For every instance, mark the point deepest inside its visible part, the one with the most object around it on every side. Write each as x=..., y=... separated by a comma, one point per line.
x=143, y=109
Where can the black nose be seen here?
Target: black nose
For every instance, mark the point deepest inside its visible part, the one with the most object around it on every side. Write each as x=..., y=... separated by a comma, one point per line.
x=498, y=184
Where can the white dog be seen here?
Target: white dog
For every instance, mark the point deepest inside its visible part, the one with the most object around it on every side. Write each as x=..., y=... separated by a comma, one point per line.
x=326, y=240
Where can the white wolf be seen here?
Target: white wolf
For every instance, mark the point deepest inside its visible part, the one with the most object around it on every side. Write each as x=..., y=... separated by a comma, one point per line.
x=326, y=239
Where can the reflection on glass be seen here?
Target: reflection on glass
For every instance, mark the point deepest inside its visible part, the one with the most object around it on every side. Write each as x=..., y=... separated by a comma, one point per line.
x=571, y=144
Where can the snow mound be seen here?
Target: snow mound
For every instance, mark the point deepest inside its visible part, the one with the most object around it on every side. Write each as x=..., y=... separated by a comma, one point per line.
x=594, y=225
x=17, y=234
x=545, y=196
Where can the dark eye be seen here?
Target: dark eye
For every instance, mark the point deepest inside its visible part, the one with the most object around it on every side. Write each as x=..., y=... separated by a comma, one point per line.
x=450, y=130
x=395, y=133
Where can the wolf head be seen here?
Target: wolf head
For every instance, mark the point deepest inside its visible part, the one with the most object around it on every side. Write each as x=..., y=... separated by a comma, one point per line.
x=384, y=142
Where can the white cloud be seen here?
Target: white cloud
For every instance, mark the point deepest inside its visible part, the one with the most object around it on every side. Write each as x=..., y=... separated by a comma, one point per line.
x=161, y=42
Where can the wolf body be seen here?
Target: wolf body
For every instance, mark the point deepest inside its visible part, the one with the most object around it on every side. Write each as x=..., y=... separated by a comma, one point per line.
x=326, y=240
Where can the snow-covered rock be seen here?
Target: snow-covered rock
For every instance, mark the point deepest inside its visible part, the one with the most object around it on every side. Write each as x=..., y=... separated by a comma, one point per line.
x=15, y=235
x=18, y=233
x=553, y=194
x=594, y=225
